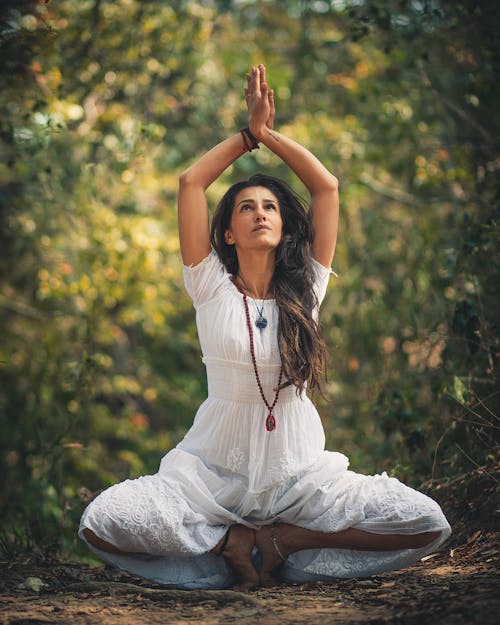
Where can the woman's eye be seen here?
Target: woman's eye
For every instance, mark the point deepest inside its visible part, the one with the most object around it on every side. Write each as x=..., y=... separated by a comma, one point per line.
x=271, y=207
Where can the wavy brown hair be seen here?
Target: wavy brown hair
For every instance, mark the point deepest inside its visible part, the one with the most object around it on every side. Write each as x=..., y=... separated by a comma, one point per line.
x=302, y=349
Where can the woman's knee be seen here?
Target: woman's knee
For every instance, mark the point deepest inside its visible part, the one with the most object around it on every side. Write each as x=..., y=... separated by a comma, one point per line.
x=95, y=541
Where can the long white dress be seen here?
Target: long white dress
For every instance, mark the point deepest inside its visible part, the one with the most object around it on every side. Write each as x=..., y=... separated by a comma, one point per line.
x=229, y=469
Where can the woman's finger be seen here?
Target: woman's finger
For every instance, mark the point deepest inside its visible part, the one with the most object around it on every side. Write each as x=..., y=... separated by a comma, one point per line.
x=255, y=82
x=270, y=97
x=262, y=70
x=262, y=80
x=272, y=110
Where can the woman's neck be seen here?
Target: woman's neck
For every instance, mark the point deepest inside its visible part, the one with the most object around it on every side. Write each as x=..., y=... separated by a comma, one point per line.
x=255, y=274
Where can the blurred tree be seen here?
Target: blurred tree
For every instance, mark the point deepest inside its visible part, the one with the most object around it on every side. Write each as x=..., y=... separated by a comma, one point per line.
x=98, y=356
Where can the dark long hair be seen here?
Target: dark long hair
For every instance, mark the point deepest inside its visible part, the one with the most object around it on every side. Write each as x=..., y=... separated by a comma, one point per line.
x=302, y=349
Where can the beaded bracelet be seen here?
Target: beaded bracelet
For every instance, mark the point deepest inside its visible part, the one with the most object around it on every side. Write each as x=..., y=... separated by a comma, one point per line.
x=249, y=140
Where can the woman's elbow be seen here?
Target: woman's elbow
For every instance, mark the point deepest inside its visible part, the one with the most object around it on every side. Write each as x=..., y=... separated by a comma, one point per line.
x=333, y=183
x=328, y=184
x=185, y=178
x=192, y=180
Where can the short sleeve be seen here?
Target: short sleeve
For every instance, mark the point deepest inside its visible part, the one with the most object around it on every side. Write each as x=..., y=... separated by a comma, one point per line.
x=203, y=281
x=321, y=278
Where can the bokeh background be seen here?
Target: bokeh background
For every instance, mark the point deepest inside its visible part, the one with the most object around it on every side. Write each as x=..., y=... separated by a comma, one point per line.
x=104, y=102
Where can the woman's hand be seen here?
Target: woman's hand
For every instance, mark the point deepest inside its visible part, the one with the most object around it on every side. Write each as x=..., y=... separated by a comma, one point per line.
x=260, y=102
x=320, y=182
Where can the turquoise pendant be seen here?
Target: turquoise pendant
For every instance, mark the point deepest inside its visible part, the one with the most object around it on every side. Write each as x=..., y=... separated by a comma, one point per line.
x=261, y=322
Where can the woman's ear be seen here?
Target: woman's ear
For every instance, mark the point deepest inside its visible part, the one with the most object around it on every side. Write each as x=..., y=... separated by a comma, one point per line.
x=228, y=237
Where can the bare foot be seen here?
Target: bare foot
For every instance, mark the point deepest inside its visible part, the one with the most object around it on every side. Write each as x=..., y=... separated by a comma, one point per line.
x=272, y=545
x=238, y=554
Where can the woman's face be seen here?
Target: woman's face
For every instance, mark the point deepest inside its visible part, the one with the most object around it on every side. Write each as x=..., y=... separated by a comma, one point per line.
x=256, y=222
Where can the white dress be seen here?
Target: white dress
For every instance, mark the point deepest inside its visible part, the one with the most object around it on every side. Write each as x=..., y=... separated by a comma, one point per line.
x=229, y=469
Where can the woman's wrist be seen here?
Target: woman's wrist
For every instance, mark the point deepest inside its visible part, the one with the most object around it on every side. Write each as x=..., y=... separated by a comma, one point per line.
x=250, y=142
x=257, y=132
x=267, y=136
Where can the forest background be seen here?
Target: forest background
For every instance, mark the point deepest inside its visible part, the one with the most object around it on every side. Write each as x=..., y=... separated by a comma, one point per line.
x=103, y=103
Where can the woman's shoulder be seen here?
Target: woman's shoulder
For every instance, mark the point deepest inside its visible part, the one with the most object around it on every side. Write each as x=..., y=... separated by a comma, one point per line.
x=321, y=277
x=320, y=270
x=204, y=280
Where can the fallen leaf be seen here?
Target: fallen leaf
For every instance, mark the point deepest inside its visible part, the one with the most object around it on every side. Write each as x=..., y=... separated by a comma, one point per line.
x=34, y=584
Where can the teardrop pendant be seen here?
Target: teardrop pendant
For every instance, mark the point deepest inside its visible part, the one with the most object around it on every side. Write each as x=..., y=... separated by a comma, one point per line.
x=270, y=422
x=261, y=322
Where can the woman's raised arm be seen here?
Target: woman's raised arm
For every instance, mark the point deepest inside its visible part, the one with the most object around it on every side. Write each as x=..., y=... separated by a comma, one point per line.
x=194, y=231
x=321, y=184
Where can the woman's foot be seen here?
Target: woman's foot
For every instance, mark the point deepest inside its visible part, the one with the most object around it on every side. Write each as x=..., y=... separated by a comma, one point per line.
x=274, y=548
x=236, y=549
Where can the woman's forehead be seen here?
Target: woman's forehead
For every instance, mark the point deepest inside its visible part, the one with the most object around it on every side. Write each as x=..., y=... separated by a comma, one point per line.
x=255, y=193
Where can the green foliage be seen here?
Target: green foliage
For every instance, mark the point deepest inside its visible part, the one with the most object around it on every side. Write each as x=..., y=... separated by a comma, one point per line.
x=103, y=103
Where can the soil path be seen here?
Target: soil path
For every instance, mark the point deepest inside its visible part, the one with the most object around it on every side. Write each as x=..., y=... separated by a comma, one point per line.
x=456, y=586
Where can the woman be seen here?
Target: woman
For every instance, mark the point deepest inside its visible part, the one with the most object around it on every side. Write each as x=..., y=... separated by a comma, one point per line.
x=250, y=488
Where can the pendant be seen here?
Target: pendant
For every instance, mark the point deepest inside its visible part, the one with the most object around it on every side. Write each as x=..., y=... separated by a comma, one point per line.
x=270, y=422
x=261, y=322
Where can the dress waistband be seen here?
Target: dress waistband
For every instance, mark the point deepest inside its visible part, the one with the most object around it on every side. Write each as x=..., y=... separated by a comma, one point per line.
x=236, y=381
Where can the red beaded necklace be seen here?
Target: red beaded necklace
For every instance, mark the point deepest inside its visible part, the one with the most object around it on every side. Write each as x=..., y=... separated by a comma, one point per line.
x=270, y=421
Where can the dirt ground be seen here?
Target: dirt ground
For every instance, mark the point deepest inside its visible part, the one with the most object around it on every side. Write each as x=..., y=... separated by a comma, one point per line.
x=456, y=586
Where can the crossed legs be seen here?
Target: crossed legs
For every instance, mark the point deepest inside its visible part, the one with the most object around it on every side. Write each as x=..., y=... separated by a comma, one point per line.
x=276, y=542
